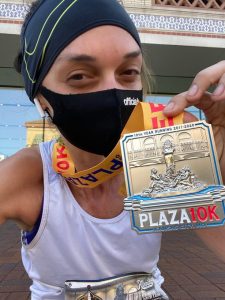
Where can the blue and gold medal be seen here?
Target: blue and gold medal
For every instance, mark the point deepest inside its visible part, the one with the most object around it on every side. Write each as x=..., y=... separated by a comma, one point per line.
x=173, y=178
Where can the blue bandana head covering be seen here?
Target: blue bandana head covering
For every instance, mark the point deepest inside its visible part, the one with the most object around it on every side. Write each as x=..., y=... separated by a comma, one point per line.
x=56, y=23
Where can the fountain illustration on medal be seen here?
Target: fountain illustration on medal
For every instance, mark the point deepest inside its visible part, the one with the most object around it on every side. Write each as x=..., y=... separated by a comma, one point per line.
x=172, y=181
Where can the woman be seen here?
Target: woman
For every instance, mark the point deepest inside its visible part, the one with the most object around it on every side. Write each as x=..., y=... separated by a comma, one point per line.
x=80, y=59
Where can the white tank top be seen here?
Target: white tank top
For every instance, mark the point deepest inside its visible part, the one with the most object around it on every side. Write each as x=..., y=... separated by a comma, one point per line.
x=73, y=245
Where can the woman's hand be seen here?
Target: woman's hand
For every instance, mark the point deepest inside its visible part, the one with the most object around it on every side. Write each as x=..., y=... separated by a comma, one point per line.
x=212, y=104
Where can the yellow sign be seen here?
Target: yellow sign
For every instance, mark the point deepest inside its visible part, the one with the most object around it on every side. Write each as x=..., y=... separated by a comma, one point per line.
x=38, y=132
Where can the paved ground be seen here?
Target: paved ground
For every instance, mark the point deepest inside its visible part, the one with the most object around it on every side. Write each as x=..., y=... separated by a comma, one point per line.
x=191, y=270
x=14, y=283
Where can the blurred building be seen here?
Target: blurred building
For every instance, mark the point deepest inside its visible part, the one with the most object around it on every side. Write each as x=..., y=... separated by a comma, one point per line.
x=179, y=38
x=38, y=132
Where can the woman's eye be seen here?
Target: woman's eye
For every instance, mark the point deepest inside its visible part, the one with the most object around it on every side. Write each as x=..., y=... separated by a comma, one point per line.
x=81, y=79
x=131, y=72
x=77, y=77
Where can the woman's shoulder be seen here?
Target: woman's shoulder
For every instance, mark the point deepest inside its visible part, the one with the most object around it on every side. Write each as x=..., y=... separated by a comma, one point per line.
x=30, y=154
x=26, y=162
x=21, y=188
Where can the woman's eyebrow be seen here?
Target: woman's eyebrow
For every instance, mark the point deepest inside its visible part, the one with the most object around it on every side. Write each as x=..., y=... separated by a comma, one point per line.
x=76, y=58
x=132, y=54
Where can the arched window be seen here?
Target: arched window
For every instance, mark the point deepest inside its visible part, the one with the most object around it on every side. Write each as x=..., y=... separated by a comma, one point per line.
x=186, y=142
x=184, y=137
x=166, y=137
x=149, y=143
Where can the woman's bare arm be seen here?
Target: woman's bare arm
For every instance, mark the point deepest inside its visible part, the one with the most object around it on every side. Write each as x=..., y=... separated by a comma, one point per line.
x=21, y=187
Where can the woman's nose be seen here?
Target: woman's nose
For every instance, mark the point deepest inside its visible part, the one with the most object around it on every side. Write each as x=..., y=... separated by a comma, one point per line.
x=110, y=81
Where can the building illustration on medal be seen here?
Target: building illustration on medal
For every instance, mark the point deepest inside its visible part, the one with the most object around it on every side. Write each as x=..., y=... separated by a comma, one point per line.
x=173, y=178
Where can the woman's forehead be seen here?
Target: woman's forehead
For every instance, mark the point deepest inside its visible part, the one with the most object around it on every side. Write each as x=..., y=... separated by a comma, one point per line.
x=100, y=40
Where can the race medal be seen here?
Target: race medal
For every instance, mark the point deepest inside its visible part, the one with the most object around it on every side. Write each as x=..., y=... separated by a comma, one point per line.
x=173, y=179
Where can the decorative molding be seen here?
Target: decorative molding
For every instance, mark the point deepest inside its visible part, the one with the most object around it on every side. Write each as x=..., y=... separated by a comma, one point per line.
x=13, y=11
x=178, y=24
x=197, y=4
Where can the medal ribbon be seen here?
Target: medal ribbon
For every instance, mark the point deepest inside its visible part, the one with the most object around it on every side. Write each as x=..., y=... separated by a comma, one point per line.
x=144, y=116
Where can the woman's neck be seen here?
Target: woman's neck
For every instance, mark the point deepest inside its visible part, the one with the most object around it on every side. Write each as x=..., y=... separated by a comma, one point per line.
x=83, y=160
x=103, y=201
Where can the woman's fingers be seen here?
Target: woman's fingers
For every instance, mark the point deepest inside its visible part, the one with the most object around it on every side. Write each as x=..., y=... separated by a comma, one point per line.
x=197, y=94
x=180, y=102
x=176, y=105
x=219, y=92
x=213, y=75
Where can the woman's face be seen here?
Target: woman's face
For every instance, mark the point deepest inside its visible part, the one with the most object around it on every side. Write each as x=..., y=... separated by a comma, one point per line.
x=103, y=58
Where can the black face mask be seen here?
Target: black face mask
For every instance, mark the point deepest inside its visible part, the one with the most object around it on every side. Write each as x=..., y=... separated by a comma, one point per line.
x=93, y=121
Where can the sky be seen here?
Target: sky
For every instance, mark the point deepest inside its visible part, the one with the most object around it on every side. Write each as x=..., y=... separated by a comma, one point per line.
x=16, y=109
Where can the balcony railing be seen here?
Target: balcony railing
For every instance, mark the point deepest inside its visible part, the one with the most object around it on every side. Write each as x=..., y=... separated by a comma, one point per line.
x=195, y=4
x=203, y=4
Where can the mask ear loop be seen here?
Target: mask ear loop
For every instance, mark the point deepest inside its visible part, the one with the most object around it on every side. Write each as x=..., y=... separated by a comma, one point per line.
x=43, y=114
x=39, y=108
